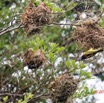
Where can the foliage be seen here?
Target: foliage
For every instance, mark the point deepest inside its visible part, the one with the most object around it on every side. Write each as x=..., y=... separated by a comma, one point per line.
x=22, y=85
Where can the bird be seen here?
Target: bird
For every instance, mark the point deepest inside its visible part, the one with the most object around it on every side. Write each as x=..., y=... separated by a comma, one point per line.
x=91, y=52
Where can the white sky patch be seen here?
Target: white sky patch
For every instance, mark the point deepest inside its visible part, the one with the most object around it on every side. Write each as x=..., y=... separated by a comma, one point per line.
x=83, y=15
x=65, y=21
x=87, y=69
x=23, y=1
x=25, y=68
x=13, y=6
x=99, y=61
x=29, y=71
x=58, y=61
x=63, y=34
x=71, y=55
x=17, y=74
x=48, y=101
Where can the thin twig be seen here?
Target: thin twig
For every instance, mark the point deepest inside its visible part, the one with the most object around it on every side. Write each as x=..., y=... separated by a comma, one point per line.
x=55, y=23
x=10, y=29
x=38, y=96
x=5, y=28
x=11, y=94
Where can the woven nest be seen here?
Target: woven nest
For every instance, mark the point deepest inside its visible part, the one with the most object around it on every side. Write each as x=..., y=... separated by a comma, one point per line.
x=89, y=35
x=35, y=17
x=62, y=87
x=33, y=59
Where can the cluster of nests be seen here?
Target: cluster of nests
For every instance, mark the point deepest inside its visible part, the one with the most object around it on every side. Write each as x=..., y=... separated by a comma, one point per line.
x=33, y=59
x=89, y=35
x=62, y=88
x=35, y=17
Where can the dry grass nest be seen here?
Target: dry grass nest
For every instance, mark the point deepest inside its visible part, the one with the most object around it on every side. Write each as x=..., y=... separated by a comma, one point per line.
x=89, y=35
x=33, y=59
x=35, y=17
x=62, y=87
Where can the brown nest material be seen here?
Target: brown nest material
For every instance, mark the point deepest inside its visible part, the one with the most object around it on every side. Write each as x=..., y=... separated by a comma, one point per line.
x=33, y=59
x=89, y=35
x=35, y=17
x=62, y=87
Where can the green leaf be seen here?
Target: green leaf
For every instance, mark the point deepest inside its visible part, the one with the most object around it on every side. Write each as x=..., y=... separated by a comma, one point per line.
x=67, y=63
x=82, y=65
x=27, y=97
x=85, y=74
x=51, y=56
x=88, y=75
x=92, y=91
x=37, y=39
x=41, y=42
x=60, y=49
x=45, y=47
x=74, y=65
x=82, y=72
x=53, y=6
x=102, y=22
x=53, y=47
x=86, y=90
x=30, y=95
x=7, y=47
x=20, y=101
x=5, y=98
x=71, y=5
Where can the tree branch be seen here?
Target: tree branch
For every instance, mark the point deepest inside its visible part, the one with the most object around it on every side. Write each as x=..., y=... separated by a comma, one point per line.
x=9, y=29
x=11, y=94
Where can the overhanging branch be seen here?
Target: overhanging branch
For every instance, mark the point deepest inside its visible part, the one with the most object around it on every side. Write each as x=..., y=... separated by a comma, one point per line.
x=10, y=29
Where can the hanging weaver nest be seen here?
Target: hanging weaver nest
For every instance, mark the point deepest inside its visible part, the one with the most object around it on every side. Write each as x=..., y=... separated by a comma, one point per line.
x=35, y=17
x=33, y=59
x=89, y=35
x=62, y=87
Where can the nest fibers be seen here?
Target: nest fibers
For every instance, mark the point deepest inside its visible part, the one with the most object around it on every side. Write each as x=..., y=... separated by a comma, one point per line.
x=62, y=87
x=89, y=35
x=33, y=59
x=35, y=17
